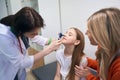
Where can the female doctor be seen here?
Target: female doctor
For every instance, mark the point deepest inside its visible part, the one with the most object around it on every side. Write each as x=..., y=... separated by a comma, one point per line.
x=14, y=35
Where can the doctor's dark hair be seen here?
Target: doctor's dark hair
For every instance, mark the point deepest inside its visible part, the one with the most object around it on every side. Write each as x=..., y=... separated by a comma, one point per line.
x=7, y=20
x=25, y=20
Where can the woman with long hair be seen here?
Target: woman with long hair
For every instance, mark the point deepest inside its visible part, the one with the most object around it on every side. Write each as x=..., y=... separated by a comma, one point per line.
x=104, y=26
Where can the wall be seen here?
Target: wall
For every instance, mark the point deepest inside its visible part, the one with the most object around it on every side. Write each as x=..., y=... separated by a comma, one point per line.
x=59, y=15
x=14, y=6
x=9, y=7
x=3, y=9
x=30, y=3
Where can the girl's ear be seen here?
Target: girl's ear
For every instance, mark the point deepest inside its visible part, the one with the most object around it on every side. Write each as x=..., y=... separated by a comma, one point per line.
x=77, y=42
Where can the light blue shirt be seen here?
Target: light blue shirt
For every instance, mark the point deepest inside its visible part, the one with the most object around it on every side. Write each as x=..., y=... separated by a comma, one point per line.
x=12, y=61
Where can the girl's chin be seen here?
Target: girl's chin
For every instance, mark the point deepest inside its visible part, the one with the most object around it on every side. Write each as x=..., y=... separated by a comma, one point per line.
x=63, y=41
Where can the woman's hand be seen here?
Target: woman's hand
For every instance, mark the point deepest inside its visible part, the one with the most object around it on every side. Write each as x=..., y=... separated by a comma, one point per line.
x=81, y=72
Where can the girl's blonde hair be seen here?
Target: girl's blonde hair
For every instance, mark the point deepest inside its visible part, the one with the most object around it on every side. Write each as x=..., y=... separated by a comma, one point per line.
x=104, y=26
x=77, y=54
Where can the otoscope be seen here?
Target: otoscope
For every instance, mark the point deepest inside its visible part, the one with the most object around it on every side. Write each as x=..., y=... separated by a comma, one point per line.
x=60, y=35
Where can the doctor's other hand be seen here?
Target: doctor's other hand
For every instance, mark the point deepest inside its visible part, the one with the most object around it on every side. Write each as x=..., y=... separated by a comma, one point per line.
x=81, y=72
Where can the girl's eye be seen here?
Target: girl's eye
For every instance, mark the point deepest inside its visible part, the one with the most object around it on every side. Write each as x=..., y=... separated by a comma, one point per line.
x=70, y=34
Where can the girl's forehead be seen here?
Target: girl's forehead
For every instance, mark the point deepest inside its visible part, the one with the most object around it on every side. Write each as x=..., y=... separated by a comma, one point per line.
x=71, y=30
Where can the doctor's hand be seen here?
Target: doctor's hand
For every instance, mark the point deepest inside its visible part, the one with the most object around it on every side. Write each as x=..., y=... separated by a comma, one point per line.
x=50, y=48
x=81, y=72
x=54, y=45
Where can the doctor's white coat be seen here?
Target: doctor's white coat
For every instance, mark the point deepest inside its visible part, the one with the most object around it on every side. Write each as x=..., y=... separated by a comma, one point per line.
x=11, y=58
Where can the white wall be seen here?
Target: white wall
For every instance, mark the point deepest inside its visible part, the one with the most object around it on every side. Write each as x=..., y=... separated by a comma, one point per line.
x=30, y=3
x=14, y=6
x=73, y=13
x=3, y=9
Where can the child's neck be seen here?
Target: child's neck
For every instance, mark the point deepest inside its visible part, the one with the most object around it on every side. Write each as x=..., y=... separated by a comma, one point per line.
x=68, y=50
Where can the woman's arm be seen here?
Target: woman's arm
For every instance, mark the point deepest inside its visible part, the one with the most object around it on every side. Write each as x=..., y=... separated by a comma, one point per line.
x=89, y=72
x=57, y=75
x=92, y=63
x=85, y=72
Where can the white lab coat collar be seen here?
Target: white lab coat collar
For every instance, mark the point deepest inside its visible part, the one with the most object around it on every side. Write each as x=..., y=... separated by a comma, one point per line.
x=5, y=30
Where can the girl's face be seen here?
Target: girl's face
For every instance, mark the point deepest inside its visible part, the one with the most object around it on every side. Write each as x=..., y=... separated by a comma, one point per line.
x=32, y=33
x=92, y=41
x=69, y=37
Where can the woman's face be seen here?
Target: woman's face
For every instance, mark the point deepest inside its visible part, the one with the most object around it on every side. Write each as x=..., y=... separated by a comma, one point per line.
x=92, y=41
x=69, y=37
x=32, y=33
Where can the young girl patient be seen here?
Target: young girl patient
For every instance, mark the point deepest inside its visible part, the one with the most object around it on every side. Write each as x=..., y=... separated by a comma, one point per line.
x=71, y=55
